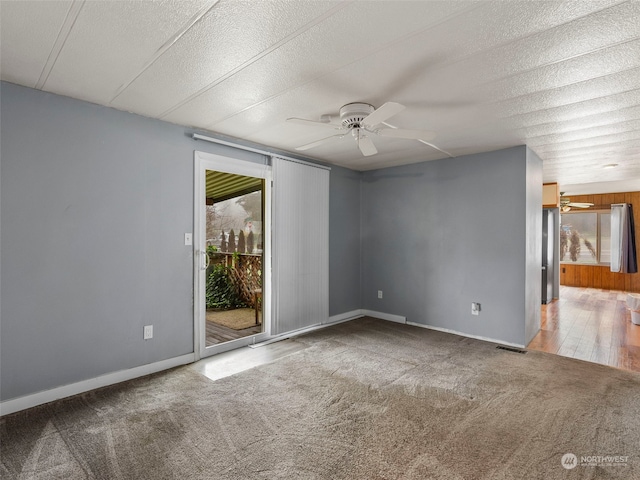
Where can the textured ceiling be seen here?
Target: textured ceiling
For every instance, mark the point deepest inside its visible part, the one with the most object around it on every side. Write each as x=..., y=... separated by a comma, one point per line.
x=561, y=77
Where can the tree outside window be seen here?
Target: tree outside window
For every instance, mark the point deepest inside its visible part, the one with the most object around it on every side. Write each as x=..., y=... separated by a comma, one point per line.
x=585, y=237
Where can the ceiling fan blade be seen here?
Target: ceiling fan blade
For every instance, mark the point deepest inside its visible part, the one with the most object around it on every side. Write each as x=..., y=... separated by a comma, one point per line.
x=312, y=123
x=580, y=205
x=408, y=134
x=444, y=104
x=366, y=146
x=318, y=142
x=386, y=111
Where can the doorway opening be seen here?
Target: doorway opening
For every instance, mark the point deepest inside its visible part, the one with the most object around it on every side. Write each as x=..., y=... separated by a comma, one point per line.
x=235, y=248
x=232, y=253
x=588, y=318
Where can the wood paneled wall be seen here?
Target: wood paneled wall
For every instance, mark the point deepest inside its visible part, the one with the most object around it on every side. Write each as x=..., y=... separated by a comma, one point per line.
x=596, y=276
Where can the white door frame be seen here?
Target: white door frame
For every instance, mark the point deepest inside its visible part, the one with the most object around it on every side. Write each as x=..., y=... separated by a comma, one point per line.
x=208, y=161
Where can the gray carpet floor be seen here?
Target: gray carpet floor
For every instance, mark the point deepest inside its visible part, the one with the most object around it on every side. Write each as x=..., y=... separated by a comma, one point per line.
x=366, y=399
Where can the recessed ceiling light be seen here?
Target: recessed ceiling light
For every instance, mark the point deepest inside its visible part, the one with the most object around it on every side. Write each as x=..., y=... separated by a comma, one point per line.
x=610, y=165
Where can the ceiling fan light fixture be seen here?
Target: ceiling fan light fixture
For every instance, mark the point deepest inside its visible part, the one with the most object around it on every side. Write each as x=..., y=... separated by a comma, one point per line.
x=364, y=121
x=352, y=114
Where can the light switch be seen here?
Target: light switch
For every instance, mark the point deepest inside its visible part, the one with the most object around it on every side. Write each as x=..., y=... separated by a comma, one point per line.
x=188, y=239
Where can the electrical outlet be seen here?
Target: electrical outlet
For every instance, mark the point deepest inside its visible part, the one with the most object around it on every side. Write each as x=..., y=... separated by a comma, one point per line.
x=188, y=239
x=379, y=293
x=147, y=332
x=475, y=308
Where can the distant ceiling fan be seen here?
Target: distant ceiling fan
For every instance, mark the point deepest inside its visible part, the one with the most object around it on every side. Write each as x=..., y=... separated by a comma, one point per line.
x=362, y=121
x=566, y=204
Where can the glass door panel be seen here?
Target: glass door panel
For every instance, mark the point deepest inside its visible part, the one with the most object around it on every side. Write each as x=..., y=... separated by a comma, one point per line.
x=234, y=246
x=232, y=259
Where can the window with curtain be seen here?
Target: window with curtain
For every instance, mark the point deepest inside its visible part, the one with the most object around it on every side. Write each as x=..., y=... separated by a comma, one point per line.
x=585, y=238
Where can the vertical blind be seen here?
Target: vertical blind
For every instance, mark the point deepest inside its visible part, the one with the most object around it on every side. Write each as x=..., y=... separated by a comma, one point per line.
x=300, y=245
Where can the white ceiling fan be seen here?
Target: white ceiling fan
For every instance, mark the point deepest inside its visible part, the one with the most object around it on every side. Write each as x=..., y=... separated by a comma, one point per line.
x=363, y=121
x=566, y=204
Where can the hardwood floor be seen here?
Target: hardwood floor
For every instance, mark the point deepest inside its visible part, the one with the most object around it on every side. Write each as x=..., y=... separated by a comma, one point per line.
x=590, y=324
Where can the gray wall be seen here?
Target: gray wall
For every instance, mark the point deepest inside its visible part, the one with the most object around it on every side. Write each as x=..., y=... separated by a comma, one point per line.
x=440, y=235
x=533, y=239
x=344, y=241
x=95, y=203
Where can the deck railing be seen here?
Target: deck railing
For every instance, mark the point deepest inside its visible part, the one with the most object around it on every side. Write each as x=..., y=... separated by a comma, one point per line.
x=245, y=271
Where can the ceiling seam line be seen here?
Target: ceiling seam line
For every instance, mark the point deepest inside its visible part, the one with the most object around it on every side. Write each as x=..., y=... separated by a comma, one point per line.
x=488, y=50
x=597, y=156
x=524, y=37
x=61, y=40
x=599, y=136
x=563, y=163
x=535, y=125
x=593, y=146
x=625, y=145
x=631, y=144
x=523, y=129
x=524, y=95
x=199, y=15
x=586, y=138
x=556, y=62
x=394, y=42
x=572, y=104
x=580, y=139
x=588, y=128
x=306, y=27
x=577, y=154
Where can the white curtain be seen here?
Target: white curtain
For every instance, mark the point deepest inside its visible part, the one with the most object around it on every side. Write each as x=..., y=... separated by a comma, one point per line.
x=623, y=245
x=300, y=245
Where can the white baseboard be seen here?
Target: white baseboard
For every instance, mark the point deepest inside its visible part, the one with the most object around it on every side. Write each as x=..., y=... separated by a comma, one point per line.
x=343, y=317
x=333, y=320
x=35, y=399
x=400, y=319
x=468, y=335
x=385, y=316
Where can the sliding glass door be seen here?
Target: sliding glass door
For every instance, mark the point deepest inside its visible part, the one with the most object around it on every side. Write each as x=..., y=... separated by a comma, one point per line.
x=231, y=253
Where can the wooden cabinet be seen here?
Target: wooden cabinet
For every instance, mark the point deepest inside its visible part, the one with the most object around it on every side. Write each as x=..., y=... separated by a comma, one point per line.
x=550, y=195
